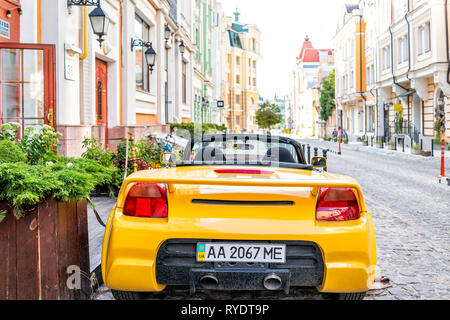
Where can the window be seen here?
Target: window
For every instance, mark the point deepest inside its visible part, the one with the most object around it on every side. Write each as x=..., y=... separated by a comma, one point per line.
x=254, y=82
x=403, y=53
x=352, y=80
x=142, y=31
x=386, y=54
x=238, y=79
x=184, y=80
x=238, y=120
x=253, y=45
x=372, y=74
x=238, y=99
x=238, y=61
x=353, y=48
x=254, y=64
x=424, y=43
x=368, y=75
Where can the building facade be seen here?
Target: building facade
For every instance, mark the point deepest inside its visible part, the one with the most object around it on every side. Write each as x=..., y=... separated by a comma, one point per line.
x=313, y=65
x=203, y=74
x=395, y=82
x=87, y=89
x=241, y=52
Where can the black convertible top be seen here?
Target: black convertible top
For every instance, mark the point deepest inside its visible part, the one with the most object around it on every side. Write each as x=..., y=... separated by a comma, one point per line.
x=185, y=161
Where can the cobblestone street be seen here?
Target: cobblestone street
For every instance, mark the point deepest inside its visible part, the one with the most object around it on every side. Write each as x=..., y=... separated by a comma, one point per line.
x=410, y=211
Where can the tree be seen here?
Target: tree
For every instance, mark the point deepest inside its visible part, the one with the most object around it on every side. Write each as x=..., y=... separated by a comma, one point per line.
x=268, y=115
x=327, y=95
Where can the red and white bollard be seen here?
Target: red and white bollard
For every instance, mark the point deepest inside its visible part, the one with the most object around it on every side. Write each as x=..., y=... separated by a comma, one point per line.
x=443, y=177
x=340, y=150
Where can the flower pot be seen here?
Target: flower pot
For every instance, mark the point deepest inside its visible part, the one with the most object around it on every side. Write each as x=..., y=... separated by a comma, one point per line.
x=391, y=147
x=426, y=153
x=379, y=146
x=365, y=143
x=416, y=151
x=43, y=254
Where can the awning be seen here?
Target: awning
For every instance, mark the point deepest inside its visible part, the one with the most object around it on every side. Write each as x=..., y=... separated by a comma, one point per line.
x=406, y=94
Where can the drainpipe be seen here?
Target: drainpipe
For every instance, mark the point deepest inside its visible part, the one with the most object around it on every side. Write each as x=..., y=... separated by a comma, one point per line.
x=361, y=73
x=409, y=43
x=392, y=60
x=85, y=34
x=392, y=55
x=447, y=38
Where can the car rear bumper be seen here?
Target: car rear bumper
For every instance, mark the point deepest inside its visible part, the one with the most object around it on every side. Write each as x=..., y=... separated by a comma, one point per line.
x=135, y=255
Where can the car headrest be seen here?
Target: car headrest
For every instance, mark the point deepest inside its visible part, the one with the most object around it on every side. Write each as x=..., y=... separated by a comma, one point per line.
x=279, y=154
x=210, y=154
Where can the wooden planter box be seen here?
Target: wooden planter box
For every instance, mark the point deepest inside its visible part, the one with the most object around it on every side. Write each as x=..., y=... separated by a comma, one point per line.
x=379, y=146
x=36, y=251
x=426, y=153
x=365, y=143
x=416, y=151
x=391, y=147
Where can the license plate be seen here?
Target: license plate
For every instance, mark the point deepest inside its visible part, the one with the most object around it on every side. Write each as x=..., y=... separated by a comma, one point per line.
x=235, y=252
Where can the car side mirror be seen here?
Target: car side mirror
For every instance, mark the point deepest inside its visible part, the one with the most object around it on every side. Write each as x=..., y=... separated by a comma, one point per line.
x=168, y=158
x=319, y=162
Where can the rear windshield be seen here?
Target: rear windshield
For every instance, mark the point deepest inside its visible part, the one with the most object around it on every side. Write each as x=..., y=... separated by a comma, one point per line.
x=244, y=150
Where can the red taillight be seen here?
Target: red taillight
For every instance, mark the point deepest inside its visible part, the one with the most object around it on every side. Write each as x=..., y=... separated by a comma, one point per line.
x=337, y=204
x=146, y=200
x=243, y=171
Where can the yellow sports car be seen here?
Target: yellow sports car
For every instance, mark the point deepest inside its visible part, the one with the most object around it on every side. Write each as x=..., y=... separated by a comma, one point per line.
x=240, y=212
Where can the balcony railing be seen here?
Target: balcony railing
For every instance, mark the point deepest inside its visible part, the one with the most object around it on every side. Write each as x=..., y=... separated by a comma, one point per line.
x=404, y=127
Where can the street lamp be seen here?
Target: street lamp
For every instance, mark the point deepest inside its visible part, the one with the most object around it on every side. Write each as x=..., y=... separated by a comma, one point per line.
x=150, y=57
x=167, y=33
x=182, y=48
x=99, y=19
x=100, y=23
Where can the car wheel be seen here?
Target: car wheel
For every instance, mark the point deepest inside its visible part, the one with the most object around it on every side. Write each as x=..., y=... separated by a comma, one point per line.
x=127, y=295
x=350, y=296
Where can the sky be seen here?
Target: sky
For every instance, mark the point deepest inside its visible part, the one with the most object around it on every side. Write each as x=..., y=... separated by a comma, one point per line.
x=284, y=25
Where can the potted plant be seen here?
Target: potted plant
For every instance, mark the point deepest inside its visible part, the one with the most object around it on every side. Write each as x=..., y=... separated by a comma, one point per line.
x=43, y=216
x=345, y=140
x=365, y=141
x=391, y=145
x=416, y=150
x=380, y=144
x=426, y=153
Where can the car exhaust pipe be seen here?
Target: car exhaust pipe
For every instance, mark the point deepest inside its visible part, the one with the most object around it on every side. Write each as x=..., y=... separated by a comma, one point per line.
x=209, y=282
x=272, y=282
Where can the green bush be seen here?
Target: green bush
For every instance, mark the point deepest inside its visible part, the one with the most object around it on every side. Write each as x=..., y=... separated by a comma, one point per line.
x=10, y=152
x=194, y=128
x=9, y=131
x=40, y=146
x=94, y=151
x=66, y=179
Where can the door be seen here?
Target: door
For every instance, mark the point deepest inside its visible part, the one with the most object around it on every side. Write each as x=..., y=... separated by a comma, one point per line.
x=27, y=84
x=101, y=94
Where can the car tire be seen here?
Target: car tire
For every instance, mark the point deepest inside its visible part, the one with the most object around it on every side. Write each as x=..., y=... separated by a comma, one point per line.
x=127, y=295
x=351, y=296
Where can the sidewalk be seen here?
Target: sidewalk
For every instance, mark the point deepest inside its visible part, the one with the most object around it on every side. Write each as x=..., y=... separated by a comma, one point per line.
x=358, y=146
x=96, y=231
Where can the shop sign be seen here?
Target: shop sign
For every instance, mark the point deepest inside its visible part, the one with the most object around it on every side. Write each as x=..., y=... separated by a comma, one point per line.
x=5, y=29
